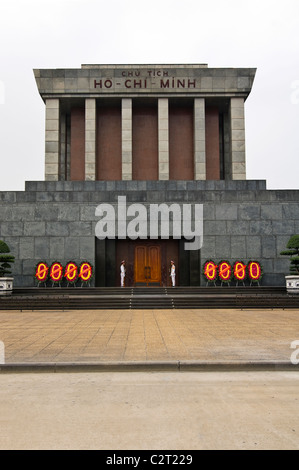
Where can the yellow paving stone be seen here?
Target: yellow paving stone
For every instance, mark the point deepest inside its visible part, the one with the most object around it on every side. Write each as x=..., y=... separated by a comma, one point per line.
x=148, y=335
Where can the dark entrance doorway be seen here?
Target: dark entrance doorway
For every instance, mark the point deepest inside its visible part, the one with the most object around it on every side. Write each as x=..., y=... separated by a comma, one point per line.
x=147, y=261
x=110, y=253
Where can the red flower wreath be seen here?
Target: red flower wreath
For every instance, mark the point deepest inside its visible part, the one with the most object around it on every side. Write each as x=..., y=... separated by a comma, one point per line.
x=210, y=270
x=225, y=271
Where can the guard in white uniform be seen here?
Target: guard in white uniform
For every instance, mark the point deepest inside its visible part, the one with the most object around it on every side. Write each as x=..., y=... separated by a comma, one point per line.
x=122, y=273
x=172, y=273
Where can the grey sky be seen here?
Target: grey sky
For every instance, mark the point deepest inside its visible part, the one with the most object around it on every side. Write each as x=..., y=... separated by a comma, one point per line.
x=231, y=33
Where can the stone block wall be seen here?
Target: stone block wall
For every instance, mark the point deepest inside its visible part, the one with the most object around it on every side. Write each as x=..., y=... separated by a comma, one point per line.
x=55, y=221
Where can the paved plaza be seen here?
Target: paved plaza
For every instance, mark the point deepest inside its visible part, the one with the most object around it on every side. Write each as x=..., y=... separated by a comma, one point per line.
x=148, y=336
x=142, y=407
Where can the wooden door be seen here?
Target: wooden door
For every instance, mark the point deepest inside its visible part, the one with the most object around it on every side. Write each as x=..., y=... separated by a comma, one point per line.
x=148, y=265
x=140, y=271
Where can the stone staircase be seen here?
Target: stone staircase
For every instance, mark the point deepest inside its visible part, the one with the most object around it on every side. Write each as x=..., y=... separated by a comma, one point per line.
x=55, y=298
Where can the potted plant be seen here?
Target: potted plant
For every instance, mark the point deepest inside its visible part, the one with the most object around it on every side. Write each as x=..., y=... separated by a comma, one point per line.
x=292, y=281
x=6, y=259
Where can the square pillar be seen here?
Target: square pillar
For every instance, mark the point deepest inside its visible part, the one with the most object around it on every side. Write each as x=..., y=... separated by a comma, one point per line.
x=163, y=139
x=63, y=148
x=126, y=138
x=90, y=139
x=199, y=139
x=237, y=126
x=52, y=146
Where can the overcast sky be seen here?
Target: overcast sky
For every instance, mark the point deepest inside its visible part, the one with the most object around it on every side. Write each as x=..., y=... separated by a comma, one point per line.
x=221, y=33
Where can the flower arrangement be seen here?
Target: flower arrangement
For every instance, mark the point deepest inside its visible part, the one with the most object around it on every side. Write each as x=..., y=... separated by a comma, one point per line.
x=56, y=272
x=239, y=271
x=85, y=272
x=225, y=271
x=41, y=272
x=210, y=271
x=71, y=272
x=255, y=271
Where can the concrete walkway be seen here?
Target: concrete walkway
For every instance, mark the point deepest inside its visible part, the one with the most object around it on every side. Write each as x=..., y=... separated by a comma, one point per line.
x=170, y=339
x=243, y=409
x=149, y=411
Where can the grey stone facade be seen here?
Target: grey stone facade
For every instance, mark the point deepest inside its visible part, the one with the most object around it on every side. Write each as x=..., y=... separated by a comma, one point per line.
x=228, y=88
x=167, y=79
x=55, y=221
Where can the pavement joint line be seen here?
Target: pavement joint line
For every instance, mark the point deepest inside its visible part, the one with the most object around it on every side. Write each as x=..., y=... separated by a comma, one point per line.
x=155, y=366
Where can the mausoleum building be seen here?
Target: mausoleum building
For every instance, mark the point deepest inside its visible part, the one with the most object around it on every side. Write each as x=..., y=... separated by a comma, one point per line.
x=130, y=135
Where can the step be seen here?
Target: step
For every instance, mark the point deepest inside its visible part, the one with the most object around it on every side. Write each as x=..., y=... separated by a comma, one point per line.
x=148, y=298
